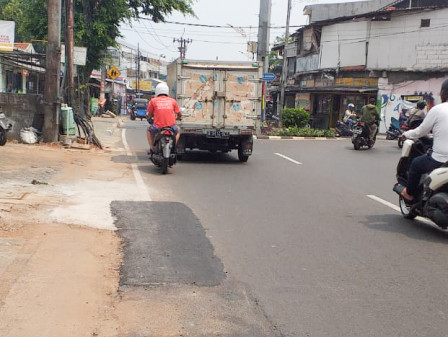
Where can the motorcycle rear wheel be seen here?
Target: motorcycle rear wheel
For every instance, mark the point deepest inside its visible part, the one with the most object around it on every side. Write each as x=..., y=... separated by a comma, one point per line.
x=406, y=210
x=3, y=138
x=357, y=144
x=400, y=142
x=164, y=165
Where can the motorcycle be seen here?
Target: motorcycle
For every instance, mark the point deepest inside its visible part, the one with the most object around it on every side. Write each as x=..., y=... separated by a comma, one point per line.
x=342, y=129
x=394, y=130
x=361, y=136
x=432, y=199
x=408, y=126
x=164, y=154
x=5, y=126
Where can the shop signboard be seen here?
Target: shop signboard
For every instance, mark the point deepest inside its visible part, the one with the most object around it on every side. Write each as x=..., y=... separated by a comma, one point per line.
x=7, y=36
x=303, y=101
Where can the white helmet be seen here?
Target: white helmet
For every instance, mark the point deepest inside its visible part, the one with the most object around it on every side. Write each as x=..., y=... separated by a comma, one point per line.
x=351, y=106
x=162, y=89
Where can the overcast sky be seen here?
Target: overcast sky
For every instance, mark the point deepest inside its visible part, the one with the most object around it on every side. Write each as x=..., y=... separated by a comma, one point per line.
x=209, y=43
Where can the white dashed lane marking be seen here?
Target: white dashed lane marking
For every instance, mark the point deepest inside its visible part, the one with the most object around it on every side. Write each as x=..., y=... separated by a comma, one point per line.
x=287, y=158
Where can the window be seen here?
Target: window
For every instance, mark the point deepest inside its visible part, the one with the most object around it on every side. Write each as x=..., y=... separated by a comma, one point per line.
x=425, y=23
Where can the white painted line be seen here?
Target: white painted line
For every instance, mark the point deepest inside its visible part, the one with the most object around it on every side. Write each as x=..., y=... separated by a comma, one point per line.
x=396, y=208
x=137, y=175
x=384, y=202
x=287, y=158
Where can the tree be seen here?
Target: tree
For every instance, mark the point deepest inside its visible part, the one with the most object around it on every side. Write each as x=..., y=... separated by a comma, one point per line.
x=97, y=22
x=274, y=60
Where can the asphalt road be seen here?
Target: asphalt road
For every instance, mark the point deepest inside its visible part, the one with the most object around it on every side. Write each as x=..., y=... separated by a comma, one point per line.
x=320, y=257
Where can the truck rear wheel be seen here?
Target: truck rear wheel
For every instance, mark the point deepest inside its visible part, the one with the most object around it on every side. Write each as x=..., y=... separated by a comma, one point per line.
x=2, y=136
x=242, y=158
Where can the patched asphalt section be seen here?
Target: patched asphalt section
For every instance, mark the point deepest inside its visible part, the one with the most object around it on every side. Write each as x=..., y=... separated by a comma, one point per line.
x=164, y=243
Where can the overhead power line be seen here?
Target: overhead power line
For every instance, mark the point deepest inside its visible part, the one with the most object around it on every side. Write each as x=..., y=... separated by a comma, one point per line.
x=219, y=26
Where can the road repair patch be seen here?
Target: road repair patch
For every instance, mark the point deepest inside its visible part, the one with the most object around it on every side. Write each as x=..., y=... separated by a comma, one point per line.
x=164, y=243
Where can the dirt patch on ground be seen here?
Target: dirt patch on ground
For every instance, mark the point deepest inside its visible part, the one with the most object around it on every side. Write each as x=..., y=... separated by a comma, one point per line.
x=56, y=278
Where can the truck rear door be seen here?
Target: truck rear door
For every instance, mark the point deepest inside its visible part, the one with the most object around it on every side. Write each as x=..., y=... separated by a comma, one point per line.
x=241, y=98
x=197, y=93
x=219, y=97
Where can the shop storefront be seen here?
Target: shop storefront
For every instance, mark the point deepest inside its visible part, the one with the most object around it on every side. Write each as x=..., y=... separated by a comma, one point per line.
x=327, y=99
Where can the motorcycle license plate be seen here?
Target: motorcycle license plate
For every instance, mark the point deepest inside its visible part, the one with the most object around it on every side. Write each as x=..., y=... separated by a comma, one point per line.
x=217, y=134
x=357, y=131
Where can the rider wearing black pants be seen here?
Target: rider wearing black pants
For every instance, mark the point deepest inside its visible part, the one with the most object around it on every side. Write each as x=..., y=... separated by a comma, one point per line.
x=436, y=121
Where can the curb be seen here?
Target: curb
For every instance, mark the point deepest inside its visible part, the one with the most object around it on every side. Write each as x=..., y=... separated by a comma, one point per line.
x=296, y=138
x=262, y=137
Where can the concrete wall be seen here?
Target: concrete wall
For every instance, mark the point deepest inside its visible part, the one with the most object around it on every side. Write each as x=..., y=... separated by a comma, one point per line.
x=396, y=45
x=21, y=110
x=391, y=101
x=344, y=44
x=323, y=12
x=401, y=44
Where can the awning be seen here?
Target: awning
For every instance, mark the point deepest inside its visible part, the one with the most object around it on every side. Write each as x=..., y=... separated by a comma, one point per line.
x=331, y=89
x=18, y=64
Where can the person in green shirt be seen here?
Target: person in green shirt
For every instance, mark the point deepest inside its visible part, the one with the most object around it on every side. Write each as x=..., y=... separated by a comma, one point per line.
x=371, y=117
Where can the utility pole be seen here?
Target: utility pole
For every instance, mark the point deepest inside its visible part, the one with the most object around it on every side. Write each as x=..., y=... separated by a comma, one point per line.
x=138, y=71
x=183, y=46
x=264, y=23
x=69, y=52
x=52, y=74
x=285, y=66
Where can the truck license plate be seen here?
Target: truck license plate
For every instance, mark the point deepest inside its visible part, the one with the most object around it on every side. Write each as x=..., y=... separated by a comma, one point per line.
x=217, y=134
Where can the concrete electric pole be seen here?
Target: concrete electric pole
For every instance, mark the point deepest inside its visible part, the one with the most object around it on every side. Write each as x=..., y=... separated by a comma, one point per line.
x=183, y=46
x=52, y=74
x=264, y=22
x=69, y=52
x=285, y=67
x=263, y=33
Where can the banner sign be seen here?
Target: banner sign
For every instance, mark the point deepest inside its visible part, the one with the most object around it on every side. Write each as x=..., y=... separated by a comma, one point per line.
x=79, y=55
x=7, y=29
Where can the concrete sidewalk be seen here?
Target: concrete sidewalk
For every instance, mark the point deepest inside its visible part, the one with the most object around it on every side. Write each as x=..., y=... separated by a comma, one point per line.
x=108, y=131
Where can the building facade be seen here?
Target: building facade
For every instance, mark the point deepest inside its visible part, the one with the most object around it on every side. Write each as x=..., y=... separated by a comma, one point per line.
x=392, y=50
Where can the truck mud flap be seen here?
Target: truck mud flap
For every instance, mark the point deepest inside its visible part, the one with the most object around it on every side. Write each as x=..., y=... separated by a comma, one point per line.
x=247, y=146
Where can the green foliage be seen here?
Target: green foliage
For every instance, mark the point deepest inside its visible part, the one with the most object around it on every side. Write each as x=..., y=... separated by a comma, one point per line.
x=295, y=117
x=302, y=132
x=97, y=22
x=30, y=17
x=274, y=61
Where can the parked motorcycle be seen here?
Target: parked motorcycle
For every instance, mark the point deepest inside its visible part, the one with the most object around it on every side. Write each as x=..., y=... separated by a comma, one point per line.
x=432, y=199
x=395, y=130
x=164, y=153
x=342, y=130
x=361, y=136
x=5, y=126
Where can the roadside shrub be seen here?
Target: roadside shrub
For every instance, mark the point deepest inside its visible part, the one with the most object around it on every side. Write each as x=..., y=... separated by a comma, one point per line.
x=301, y=132
x=295, y=117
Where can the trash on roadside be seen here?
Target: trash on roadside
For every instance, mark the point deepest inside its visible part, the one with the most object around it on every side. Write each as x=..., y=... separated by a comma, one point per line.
x=29, y=135
x=37, y=182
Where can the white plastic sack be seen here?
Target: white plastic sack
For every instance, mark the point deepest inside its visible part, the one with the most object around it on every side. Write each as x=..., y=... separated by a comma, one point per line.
x=29, y=135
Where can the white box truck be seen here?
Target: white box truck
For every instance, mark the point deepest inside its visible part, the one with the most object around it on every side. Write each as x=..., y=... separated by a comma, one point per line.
x=222, y=102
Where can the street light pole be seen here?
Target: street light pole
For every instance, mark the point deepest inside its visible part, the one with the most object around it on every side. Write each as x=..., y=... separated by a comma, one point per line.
x=285, y=66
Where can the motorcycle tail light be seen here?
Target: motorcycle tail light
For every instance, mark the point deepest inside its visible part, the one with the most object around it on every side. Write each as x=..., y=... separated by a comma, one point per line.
x=404, y=127
x=167, y=133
